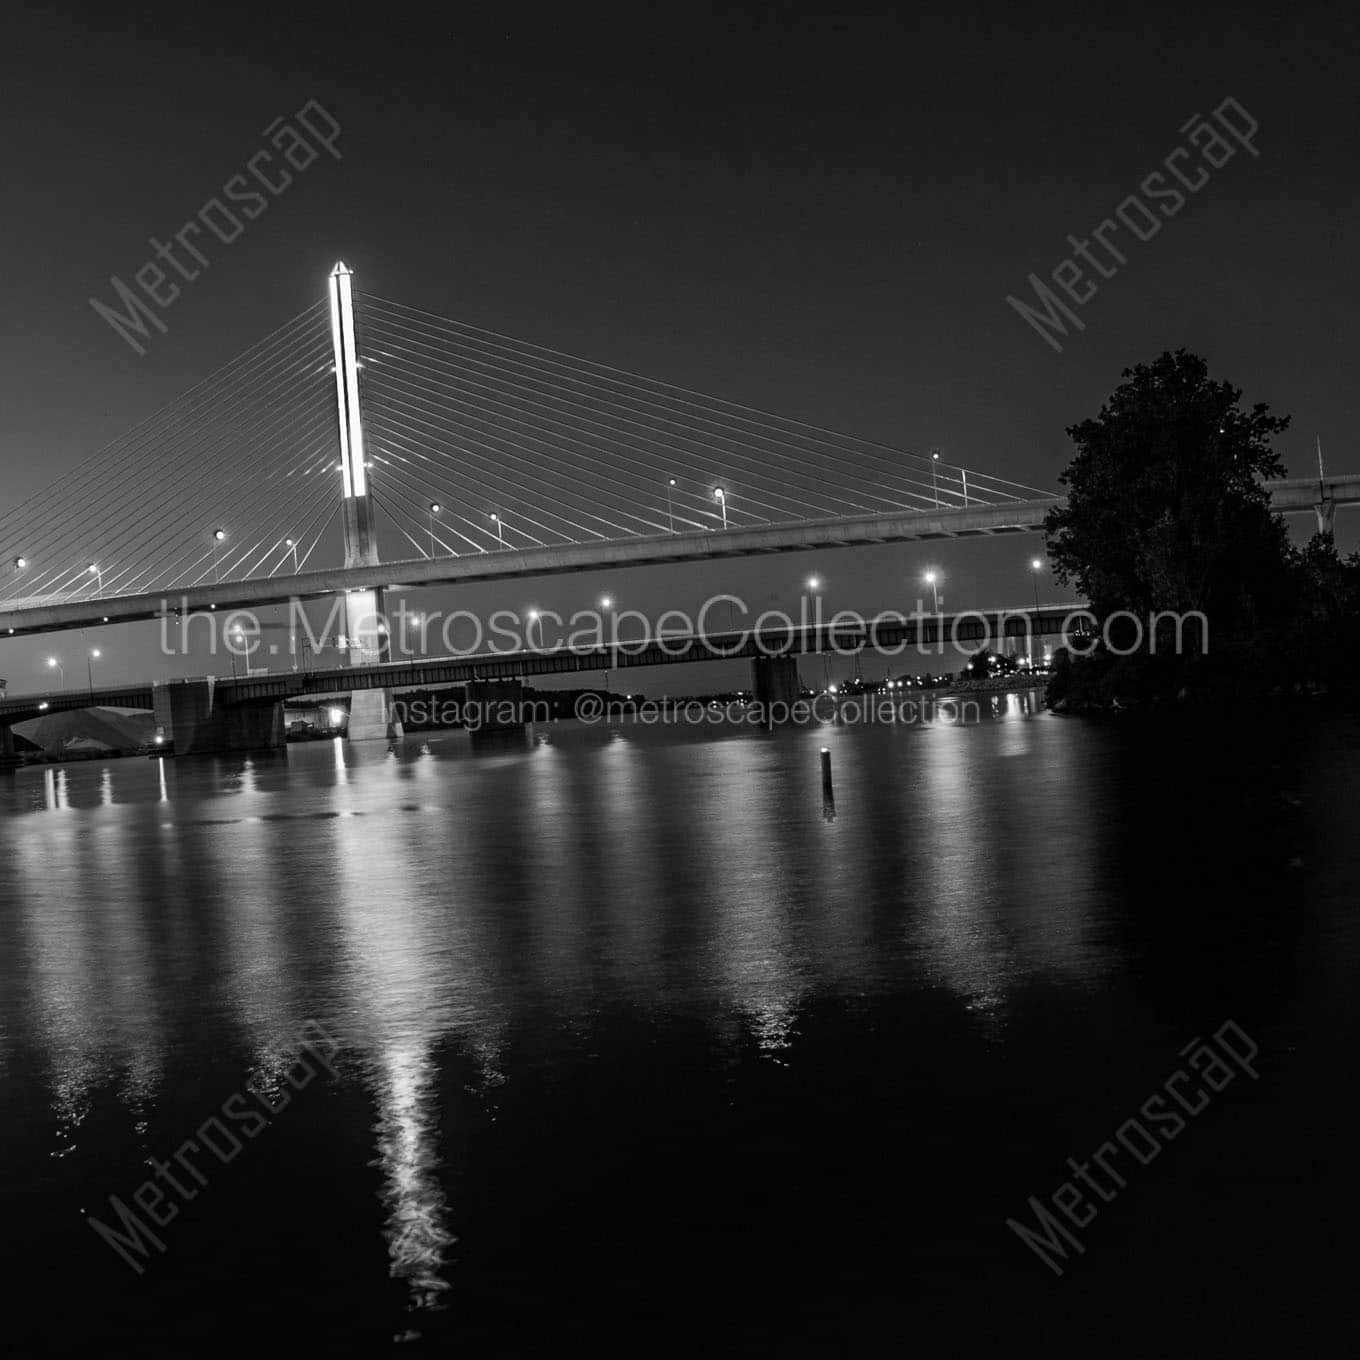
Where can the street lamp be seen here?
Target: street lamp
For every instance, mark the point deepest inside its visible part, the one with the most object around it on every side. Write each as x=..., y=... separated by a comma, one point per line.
x=500, y=528
x=20, y=563
x=670, y=511
x=606, y=603
x=932, y=579
x=1035, y=566
x=291, y=543
x=814, y=584
x=218, y=536
x=90, y=658
x=720, y=496
x=934, y=475
x=435, y=508
x=98, y=575
x=54, y=664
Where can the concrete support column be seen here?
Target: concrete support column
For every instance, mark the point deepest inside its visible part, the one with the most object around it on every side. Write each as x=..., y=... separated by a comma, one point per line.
x=775, y=680
x=190, y=721
x=8, y=758
x=494, y=706
x=1326, y=516
x=254, y=727
x=372, y=716
x=366, y=639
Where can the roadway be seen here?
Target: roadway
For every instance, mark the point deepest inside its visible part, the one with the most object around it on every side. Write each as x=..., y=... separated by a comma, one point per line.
x=977, y=521
x=967, y=629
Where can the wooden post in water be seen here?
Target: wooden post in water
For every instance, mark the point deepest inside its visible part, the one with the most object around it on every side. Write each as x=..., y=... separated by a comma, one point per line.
x=828, y=797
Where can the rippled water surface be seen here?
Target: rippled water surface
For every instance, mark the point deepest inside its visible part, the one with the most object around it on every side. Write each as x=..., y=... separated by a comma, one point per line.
x=643, y=1047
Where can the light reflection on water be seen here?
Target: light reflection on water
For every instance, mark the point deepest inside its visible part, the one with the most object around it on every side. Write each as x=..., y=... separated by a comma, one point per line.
x=447, y=886
x=440, y=896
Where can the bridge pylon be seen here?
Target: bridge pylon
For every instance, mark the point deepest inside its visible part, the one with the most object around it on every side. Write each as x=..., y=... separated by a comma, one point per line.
x=367, y=640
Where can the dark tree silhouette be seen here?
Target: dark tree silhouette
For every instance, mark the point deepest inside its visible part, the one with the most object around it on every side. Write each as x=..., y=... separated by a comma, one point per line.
x=1166, y=505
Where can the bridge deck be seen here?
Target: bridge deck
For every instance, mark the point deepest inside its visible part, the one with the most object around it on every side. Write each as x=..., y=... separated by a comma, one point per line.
x=967, y=630
x=1013, y=517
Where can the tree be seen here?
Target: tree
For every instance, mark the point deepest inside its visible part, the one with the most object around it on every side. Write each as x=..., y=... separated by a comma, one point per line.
x=1166, y=504
x=979, y=665
x=985, y=662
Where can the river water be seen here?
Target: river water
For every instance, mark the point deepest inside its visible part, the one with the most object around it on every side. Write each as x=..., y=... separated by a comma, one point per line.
x=635, y=1043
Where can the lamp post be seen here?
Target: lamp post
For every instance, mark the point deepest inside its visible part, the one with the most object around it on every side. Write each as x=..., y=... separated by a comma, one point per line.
x=932, y=580
x=90, y=658
x=291, y=543
x=670, y=510
x=54, y=664
x=434, y=510
x=813, y=585
x=606, y=603
x=98, y=575
x=1036, y=566
x=934, y=475
x=218, y=536
x=500, y=528
x=720, y=496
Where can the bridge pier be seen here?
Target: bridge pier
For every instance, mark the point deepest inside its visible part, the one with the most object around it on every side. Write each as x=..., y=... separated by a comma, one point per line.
x=1326, y=515
x=190, y=721
x=372, y=716
x=775, y=680
x=8, y=758
x=494, y=706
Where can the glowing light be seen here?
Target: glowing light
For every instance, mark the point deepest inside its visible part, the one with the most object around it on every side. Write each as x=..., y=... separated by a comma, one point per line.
x=21, y=562
x=352, y=461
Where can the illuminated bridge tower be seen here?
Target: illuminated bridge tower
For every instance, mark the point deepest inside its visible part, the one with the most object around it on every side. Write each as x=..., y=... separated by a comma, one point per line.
x=366, y=641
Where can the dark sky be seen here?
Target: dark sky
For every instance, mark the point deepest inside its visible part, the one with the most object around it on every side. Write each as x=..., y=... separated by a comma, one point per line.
x=819, y=214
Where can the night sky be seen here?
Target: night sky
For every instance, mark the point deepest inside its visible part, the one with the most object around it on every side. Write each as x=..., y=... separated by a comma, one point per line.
x=819, y=215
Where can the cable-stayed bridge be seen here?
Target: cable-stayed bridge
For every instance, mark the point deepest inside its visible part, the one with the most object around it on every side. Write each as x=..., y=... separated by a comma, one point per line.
x=450, y=444
x=470, y=456
x=473, y=456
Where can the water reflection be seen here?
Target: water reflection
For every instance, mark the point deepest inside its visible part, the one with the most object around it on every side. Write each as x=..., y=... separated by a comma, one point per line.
x=434, y=902
x=418, y=1239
